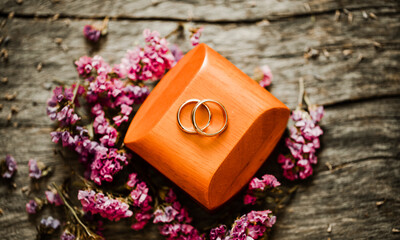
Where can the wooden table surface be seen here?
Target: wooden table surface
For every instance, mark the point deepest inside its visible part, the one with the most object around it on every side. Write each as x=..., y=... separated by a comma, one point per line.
x=358, y=83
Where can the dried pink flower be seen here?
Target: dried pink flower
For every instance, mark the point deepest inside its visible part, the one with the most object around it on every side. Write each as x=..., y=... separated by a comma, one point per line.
x=31, y=207
x=196, y=34
x=91, y=33
x=9, y=167
x=267, y=76
x=112, y=209
x=53, y=197
x=34, y=170
x=302, y=143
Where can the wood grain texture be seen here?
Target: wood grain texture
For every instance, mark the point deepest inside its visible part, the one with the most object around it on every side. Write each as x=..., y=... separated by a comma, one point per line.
x=361, y=92
x=223, y=11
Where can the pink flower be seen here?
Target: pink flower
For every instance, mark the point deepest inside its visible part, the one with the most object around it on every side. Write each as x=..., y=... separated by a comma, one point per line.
x=165, y=215
x=91, y=33
x=34, y=170
x=266, y=181
x=249, y=199
x=170, y=197
x=148, y=63
x=176, y=52
x=267, y=76
x=316, y=113
x=302, y=143
x=195, y=37
x=218, y=233
x=132, y=180
x=54, y=198
x=31, y=207
x=139, y=225
x=253, y=225
x=10, y=167
x=84, y=65
x=139, y=195
x=112, y=209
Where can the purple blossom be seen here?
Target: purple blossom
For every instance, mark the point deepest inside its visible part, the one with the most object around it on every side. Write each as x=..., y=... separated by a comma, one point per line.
x=165, y=215
x=148, y=63
x=91, y=33
x=140, y=195
x=180, y=231
x=267, y=76
x=112, y=209
x=84, y=65
x=107, y=162
x=170, y=197
x=218, y=233
x=34, y=170
x=132, y=180
x=10, y=167
x=50, y=222
x=253, y=225
x=53, y=198
x=256, y=184
x=249, y=199
x=302, y=143
x=195, y=37
x=176, y=52
x=31, y=207
x=66, y=235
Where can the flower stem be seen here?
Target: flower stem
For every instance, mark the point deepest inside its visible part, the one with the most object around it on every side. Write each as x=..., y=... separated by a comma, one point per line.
x=75, y=90
x=301, y=92
x=72, y=210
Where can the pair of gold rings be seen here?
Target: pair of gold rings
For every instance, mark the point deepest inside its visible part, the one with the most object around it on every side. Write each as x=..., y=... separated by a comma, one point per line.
x=193, y=117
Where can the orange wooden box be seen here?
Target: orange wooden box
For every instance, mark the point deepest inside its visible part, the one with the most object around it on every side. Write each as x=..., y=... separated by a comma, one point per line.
x=210, y=169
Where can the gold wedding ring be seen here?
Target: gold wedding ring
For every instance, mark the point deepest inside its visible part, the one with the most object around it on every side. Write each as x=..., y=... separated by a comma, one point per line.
x=179, y=114
x=193, y=117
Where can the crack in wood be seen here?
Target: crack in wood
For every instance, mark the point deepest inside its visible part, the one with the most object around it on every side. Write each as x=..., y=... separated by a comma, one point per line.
x=249, y=21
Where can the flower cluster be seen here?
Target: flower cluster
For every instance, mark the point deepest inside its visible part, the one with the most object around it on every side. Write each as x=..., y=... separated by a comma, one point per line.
x=112, y=209
x=35, y=171
x=8, y=167
x=140, y=200
x=31, y=207
x=267, y=76
x=104, y=92
x=91, y=33
x=59, y=107
x=148, y=63
x=250, y=226
x=53, y=197
x=263, y=75
x=256, y=184
x=218, y=233
x=50, y=222
x=66, y=235
x=195, y=36
x=175, y=219
x=302, y=143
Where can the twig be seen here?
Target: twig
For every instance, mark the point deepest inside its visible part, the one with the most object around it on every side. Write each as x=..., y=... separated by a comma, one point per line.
x=301, y=92
x=72, y=210
x=76, y=90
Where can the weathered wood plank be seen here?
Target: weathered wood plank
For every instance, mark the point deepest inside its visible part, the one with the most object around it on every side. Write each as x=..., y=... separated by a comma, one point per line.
x=328, y=80
x=344, y=147
x=358, y=131
x=197, y=10
x=346, y=199
x=362, y=133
